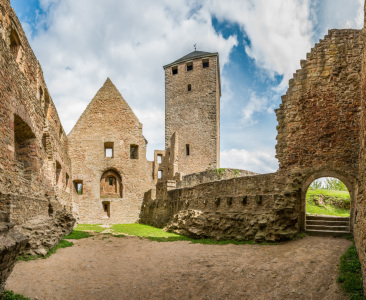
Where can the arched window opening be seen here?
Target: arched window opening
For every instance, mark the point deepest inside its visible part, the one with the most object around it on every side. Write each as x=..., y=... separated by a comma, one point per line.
x=25, y=147
x=110, y=185
x=328, y=207
x=14, y=43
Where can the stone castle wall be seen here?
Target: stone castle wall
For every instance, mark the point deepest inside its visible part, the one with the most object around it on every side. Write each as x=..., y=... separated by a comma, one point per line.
x=318, y=135
x=194, y=114
x=259, y=207
x=108, y=121
x=34, y=164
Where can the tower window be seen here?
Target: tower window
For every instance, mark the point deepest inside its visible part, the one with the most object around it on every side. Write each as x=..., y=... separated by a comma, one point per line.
x=174, y=70
x=134, y=154
x=189, y=66
x=187, y=149
x=159, y=159
x=108, y=149
x=160, y=174
x=205, y=63
x=189, y=87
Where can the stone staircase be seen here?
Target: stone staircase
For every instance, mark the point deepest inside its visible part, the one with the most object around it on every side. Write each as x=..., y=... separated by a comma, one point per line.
x=327, y=225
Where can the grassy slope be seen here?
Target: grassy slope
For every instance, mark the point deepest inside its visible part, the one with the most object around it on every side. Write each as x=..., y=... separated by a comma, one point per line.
x=327, y=209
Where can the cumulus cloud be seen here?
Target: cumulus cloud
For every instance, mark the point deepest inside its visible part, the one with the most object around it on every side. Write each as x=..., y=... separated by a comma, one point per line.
x=261, y=161
x=81, y=43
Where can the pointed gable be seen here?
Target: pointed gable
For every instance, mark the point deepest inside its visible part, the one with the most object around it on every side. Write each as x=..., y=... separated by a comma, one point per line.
x=107, y=110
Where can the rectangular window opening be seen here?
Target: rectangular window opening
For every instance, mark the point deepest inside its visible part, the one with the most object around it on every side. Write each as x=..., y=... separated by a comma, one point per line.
x=159, y=159
x=160, y=174
x=110, y=180
x=108, y=149
x=205, y=63
x=78, y=187
x=174, y=70
x=189, y=66
x=67, y=179
x=187, y=149
x=189, y=87
x=134, y=151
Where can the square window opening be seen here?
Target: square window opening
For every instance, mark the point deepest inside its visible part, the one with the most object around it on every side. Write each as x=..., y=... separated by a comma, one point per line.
x=174, y=70
x=205, y=63
x=134, y=152
x=189, y=66
x=108, y=149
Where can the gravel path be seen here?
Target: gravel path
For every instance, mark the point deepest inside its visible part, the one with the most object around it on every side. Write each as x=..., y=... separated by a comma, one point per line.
x=106, y=267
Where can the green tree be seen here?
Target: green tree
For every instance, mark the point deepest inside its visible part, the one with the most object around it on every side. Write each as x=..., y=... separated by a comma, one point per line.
x=316, y=184
x=334, y=184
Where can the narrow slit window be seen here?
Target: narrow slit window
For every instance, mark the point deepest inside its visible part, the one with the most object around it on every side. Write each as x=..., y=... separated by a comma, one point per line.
x=187, y=149
x=67, y=179
x=174, y=70
x=108, y=149
x=58, y=171
x=205, y=63
x=134, y=152
x=110, y=180
x=189, y=87
x=189, y=66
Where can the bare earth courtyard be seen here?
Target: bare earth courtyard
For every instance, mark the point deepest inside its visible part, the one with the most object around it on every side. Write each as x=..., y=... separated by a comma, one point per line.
x=107, y=267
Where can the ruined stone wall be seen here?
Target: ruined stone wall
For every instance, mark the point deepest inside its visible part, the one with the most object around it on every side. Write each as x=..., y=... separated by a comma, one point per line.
x=212, y=175
x=360, y=211
x=194, y=114
x=32, y=138
x=261, y=207
x=32, y=143
x=108, y=122
x=319, y=118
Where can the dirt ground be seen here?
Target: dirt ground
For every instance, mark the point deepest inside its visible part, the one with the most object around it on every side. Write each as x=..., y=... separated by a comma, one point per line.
x=106, y=267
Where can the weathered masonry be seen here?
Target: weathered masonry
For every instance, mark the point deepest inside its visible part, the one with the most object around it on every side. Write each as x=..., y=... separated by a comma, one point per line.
x=34, y=164
x=99, y=172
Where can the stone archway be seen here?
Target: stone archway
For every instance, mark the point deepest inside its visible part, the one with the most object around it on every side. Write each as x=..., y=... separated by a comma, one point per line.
x=349, y=182
x=111, y=185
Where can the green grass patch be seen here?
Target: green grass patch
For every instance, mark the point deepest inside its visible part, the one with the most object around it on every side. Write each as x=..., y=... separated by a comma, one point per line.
x=61, y=244
x=351, y=276
x=90, y=227
x=328, y=202
x=9, y=295
x=141, y=230
x=77, y=235
x=159, y=235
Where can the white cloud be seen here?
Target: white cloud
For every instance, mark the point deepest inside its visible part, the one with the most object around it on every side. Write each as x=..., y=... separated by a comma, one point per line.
x=280, y=31
x=255, y=104
x=81, y=43
x=262, y=161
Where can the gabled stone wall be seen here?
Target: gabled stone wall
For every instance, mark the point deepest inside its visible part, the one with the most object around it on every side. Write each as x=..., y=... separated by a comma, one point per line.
x=108, y=122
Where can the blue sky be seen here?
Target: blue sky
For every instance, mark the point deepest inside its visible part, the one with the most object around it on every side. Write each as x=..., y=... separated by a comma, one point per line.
x=261, y=42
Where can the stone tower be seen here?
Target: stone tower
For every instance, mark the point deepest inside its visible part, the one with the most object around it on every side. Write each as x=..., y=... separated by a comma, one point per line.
x=192, y=110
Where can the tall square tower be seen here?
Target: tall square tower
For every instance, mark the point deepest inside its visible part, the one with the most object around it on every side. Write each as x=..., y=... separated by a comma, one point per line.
x=192, y=109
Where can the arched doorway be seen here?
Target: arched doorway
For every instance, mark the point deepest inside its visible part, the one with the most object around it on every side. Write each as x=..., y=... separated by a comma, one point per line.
x=320, y=210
